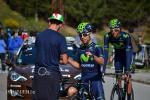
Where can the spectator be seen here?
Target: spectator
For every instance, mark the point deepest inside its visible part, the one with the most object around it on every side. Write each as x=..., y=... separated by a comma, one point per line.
x=32, y=37
x=7, y=35
x=14, y=43
x=2, y=50
x=24, y=35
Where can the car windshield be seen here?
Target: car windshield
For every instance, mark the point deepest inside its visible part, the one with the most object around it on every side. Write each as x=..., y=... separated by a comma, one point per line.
x=26, y=55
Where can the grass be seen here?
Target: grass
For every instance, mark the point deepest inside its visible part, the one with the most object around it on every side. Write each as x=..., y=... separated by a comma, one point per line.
x=7, y=13
x=30, y=24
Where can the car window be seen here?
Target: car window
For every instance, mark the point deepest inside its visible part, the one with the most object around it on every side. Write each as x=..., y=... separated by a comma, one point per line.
x=26, y=55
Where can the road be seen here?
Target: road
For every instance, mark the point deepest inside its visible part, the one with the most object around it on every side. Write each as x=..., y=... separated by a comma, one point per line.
x=3, y=86
x=141, y=91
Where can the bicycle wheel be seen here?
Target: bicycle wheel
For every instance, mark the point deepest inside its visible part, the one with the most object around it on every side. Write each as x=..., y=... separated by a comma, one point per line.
x=130, y=96
x=116, y=93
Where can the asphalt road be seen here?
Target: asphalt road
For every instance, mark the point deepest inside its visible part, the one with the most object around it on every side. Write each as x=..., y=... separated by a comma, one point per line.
x=3, y=86
x=141, y=91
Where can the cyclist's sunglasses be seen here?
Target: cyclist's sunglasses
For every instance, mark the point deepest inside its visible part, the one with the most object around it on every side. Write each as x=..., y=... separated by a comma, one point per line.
x=84, y=35
x=115, y=30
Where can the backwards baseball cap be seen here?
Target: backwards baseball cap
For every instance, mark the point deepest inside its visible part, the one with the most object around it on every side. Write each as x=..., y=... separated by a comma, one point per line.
x=56, y=16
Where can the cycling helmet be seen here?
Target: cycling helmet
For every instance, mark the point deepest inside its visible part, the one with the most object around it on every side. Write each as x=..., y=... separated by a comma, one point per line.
x=84, y=28
x=88, y=28
x=81, y=27
x=56, y=16
x=114, y=23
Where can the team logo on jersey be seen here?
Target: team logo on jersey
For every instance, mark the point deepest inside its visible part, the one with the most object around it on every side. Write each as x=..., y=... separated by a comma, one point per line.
x=125, y=35
x=120, y=45
x=85, y=58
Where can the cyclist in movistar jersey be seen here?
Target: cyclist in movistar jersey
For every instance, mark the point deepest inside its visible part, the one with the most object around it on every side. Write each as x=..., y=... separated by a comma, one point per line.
x=122, y=45
x=93, y=38
x=89, y=60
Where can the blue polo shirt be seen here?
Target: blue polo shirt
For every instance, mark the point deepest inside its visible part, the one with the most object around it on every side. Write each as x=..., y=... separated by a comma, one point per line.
x=49, y=46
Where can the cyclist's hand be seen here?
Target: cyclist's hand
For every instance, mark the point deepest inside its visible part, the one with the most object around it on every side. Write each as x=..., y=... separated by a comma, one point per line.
x=89, y=53
x=111, y=59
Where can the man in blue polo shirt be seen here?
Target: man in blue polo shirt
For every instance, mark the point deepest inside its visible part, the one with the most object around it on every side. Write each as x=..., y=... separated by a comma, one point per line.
x=51, y=50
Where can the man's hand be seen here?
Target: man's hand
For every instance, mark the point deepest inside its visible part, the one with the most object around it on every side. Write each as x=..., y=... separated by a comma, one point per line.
x=63, y=58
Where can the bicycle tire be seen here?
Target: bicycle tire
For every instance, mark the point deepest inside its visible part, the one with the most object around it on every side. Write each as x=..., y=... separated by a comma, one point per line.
x=115, y=91
x=130, y=96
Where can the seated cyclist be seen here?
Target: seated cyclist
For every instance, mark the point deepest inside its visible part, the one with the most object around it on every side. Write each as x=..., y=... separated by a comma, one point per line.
x=122, y=45
x=89, y=60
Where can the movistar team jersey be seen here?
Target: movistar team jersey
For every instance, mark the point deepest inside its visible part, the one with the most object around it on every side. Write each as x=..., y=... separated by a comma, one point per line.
x=122, y=45
x=90, y=69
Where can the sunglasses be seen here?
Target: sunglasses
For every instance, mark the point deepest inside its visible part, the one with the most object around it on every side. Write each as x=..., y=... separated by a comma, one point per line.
x=115, y=30
x=84, y=35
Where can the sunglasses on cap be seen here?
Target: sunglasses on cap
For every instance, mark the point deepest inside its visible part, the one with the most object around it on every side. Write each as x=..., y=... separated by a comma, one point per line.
x=84, y=35
x=115, y=30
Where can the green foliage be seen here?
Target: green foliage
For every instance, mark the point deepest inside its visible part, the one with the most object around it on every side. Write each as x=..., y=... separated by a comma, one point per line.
x=131, y=13
x=29, y=8
x=98, y=12
x=7, y=14
x=11, y=23
x=33, y=25
x=15, y=20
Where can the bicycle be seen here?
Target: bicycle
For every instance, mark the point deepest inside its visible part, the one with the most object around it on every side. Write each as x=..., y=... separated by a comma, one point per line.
x=83, y=94
x=122, y=89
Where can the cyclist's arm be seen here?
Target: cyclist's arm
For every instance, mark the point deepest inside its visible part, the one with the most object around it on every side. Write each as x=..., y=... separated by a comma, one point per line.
x=98, y=58
x=74, y=63
x=128, y=52
x=106, y=49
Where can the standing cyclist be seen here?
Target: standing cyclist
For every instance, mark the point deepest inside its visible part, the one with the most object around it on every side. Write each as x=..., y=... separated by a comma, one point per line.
x=89, y=60
x=50, y=49
x=122, y=45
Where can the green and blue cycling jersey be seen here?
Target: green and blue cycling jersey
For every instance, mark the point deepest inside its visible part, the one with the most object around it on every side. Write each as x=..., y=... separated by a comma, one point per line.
x=90, y=69
x=123, y=50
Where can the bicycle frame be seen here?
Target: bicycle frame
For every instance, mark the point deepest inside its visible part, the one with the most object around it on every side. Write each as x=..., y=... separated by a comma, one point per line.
x=84, y=94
